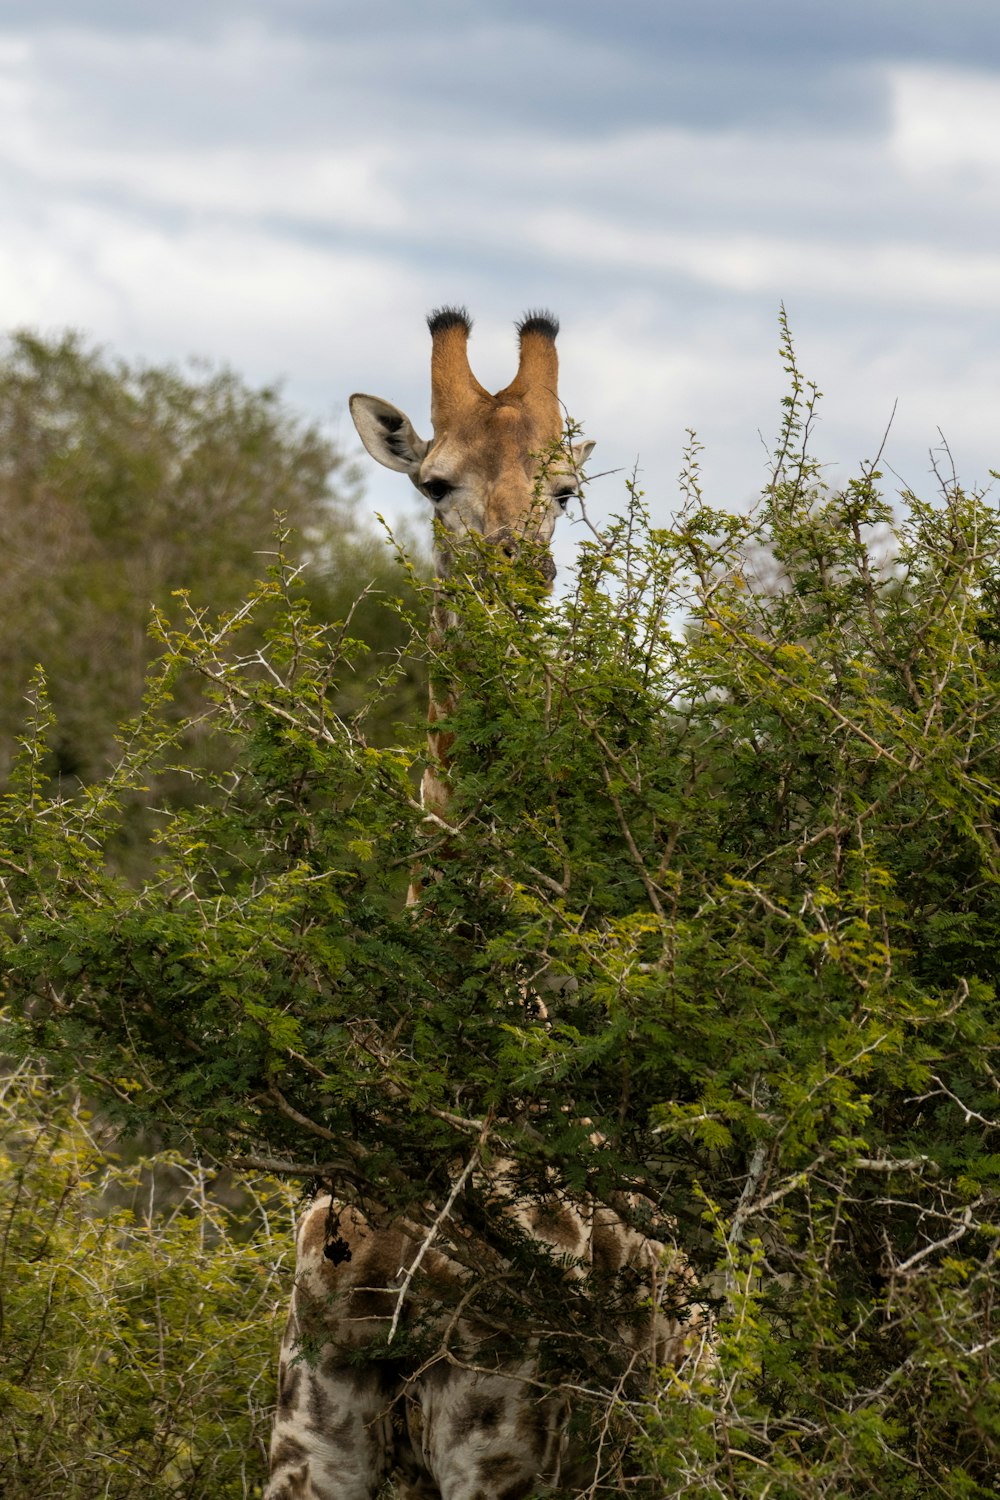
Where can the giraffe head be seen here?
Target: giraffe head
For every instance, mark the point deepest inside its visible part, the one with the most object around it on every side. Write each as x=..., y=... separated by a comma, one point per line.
x=494, y=466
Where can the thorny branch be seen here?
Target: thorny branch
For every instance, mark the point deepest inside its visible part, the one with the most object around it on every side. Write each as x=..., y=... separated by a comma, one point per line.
x=432, y=1232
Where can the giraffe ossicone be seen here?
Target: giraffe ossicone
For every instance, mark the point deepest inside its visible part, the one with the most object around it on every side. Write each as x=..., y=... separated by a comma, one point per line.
x=476, y=1418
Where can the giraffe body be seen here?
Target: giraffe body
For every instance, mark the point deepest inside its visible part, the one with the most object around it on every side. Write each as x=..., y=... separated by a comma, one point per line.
x=462, y=1411
x=441, y=1431
x=461, y=1420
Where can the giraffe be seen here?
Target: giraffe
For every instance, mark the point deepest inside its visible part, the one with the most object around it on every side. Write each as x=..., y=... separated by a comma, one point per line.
x=481, y=470
x=471, y=1422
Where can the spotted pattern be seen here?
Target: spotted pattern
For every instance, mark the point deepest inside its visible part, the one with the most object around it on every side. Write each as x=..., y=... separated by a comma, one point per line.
x=456, y=1416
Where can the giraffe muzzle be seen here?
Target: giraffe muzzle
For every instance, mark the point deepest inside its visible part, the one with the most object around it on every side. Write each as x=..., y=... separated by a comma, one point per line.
x=511, y=546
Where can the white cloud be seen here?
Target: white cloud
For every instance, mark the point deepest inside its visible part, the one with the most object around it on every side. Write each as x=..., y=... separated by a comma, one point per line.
x=779, y=265
x=945, y=120
x=260, y=300
x=324, y=187
x=51, y=139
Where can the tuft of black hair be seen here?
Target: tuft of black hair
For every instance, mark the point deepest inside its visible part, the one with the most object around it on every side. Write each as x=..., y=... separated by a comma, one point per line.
x=539, y=321
x=448, y=317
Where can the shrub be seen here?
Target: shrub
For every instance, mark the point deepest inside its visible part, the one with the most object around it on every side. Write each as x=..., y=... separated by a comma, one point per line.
x=728, y=808
x=140, y=1313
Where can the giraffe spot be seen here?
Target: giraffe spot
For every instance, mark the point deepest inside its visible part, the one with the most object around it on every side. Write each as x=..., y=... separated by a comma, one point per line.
x=508, y=1466
x=293, y=1486
x=287, y=1450
x=375, y=1269
x=436, y=1376
x=289, y=1380
x=517, y=1491
x=606, y=1246
x=321, y=1408
x=339, y=1432
x=477, y=1413
x=558, y=1224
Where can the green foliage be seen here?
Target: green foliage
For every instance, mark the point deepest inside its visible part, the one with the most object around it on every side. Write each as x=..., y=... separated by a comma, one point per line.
x=135, y=1344
x=128, y=488
x=728, y=809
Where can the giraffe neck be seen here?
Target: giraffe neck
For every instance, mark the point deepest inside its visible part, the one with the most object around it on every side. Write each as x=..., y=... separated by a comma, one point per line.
x=435, y=784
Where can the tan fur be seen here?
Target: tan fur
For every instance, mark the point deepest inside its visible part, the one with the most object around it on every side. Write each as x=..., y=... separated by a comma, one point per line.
x=454, y=388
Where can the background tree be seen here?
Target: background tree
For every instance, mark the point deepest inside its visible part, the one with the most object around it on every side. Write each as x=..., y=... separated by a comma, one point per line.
x=121, y=486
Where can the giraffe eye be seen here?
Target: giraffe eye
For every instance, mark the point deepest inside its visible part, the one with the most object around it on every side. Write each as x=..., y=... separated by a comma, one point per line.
x=437, y=489
x=563, y=497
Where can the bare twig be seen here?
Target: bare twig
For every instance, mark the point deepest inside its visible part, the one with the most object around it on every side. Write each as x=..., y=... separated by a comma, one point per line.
x=431, y=1234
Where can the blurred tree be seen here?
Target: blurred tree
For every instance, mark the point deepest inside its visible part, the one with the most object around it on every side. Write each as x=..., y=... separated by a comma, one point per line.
x=122, y=485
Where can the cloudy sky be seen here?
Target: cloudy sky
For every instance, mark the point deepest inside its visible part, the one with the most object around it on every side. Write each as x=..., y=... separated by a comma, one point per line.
x=289, y=186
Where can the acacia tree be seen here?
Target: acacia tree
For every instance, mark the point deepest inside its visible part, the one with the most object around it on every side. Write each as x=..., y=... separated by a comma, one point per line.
x=743, y=842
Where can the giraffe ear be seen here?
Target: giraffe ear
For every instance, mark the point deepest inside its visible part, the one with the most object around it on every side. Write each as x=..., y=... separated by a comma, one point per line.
x=582, y=451
x=387, y=434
